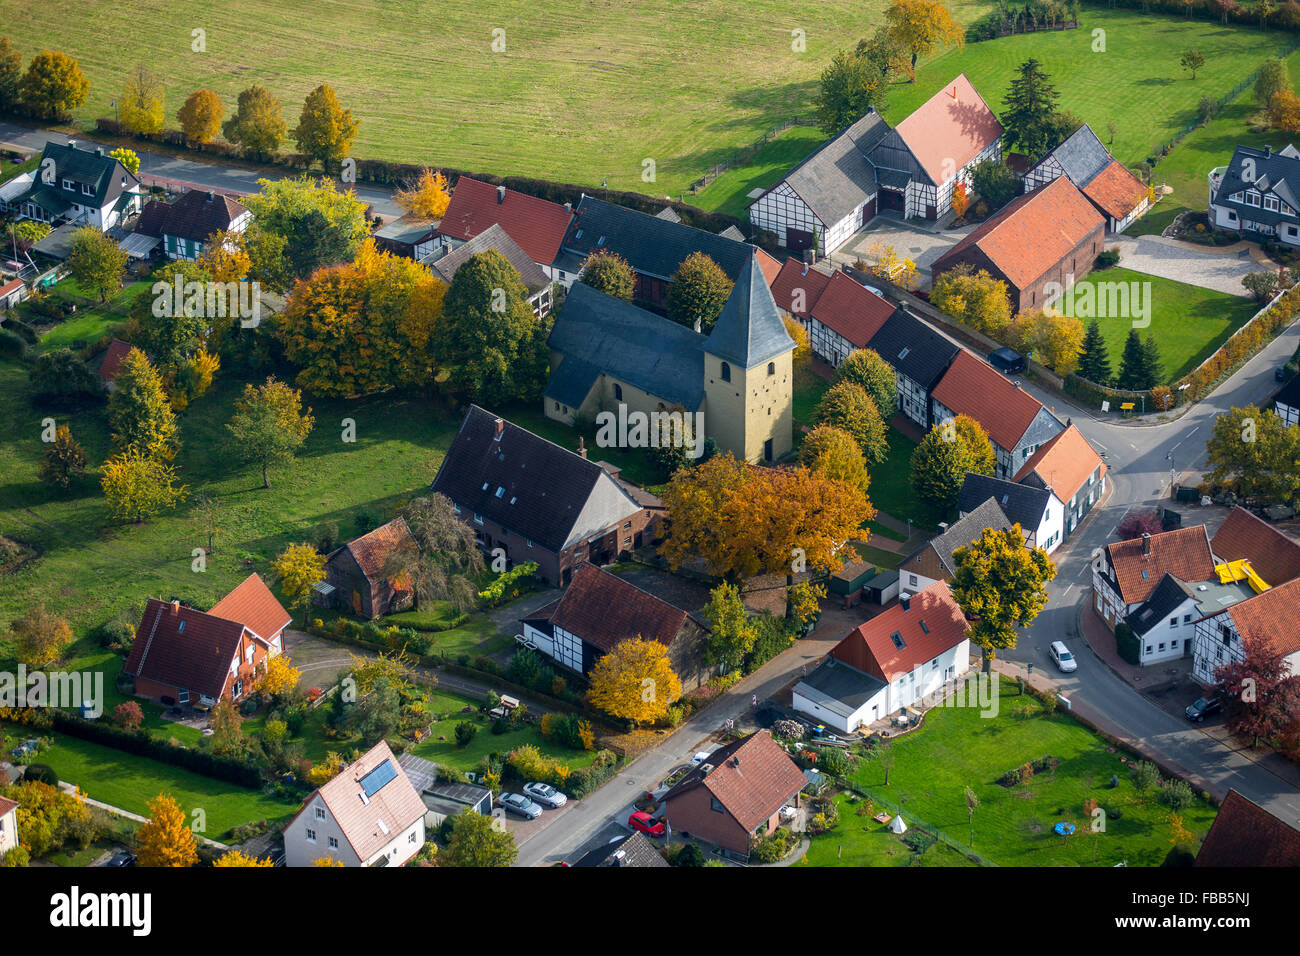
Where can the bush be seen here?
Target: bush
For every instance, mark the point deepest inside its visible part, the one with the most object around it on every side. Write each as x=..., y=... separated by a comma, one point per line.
x=42, y=773
x=1127, y=643
x=12, y=344
x=465, y=731
x=1175, y=794
x=834, y=761
x=117, y=635
x=1207, y=108
x=1108, y=258
x=500, y=726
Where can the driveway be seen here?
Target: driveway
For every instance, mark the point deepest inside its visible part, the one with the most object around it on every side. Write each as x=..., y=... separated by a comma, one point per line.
x=1171, y=259
x=920, y=245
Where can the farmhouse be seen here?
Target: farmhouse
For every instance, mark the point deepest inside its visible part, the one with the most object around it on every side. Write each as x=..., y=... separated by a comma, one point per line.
x=1245, y=834
x=369, y=815
x=1036, y=509
x=80, y=187
x=1270, y=619
x=1242, y=536
x=1044, y=239
x=1017, y=423
x=445, y=264
x=1069, y=467
x=536, y=225
x=600, y=610
x=1255, y=193
x=869, y=168
x=608, y=354
x=1115, y=192
x=919, y=355
x=934, y=562
x=363, y=577
x=798, y=286
x=737, y=795
x=535, y=500
x=1126, y=573
x=185, y=656
x=186, y=226
x=913, y=650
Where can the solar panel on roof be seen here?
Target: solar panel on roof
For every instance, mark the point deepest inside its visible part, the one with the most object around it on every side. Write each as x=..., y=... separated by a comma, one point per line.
x=375, y=781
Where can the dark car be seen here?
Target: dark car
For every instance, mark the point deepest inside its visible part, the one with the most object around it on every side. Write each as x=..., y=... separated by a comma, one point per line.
x=1203, y=707
x=1007, y=361
x=122, y=859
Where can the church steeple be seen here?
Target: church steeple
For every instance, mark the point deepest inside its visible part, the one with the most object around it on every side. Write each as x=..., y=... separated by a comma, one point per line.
x=749, y=331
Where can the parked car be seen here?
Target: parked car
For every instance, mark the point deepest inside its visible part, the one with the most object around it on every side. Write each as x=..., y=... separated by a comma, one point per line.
x=122, y=859
x=647, y=824
x=700, y=757
x=518, y=803
x=545, y=794
x=1008, y=361
x=1062, y=657
x=1203, y=707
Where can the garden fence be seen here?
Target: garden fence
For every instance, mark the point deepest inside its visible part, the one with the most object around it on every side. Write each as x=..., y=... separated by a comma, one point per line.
x=744, y=155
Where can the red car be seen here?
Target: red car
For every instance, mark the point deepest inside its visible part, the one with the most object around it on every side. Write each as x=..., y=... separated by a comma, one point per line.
x=647, y=824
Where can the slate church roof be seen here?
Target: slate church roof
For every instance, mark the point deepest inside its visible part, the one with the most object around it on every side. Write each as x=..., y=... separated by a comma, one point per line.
x=749, y=331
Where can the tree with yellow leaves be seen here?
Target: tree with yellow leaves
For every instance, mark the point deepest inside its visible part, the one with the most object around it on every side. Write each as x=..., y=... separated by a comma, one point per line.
x=237, y=858
x=325, y=861
x=322, y=773
x=141, y=107
x=139, y=414
x=635, y=681
x=138, y=486
x=298, y=569
x=279, y=678
x=39, y=637
x=920, y=27
x=165, y=840
x=325, y=130
x=427, y=198
x=200, y=116
x=802, y=356
x=884, y=261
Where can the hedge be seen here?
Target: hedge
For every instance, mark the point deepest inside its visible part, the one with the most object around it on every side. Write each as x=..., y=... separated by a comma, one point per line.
x=1285, y=16
x=1127, y=643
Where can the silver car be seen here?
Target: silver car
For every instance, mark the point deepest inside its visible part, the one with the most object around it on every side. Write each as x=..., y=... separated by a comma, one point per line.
x=1063, y=658
x=518, y=803
x=545, y=794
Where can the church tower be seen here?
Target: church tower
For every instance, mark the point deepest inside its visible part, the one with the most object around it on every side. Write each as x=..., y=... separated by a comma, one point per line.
x=749, y=373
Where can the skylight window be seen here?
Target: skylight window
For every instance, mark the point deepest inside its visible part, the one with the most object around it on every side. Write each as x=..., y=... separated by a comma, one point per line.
x=897, y=638
x=501, y=491
x=383, y=827
x=180, y=628
x=485, y=486
x=1145, y=575
x=924, y=628
x=903, y=354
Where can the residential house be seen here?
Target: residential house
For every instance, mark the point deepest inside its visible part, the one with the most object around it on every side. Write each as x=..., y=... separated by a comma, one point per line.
x=736, y=796
x=1243, y=536
x=363, y=575
x=444, y=264
x=536, y=225
x=1069, y=467
x=653, y=247
x=914, y=649
x=111, y=364
x=12, y=293
x=8, y=825
x=630, y=850
x=844, y=318
x=80, y=187
x=1255, y=194
x=443, y=798
x=535, y=500
x=1039, y=244
x=933, y=561
x=1126, y=573
x=1270, y=620
x=798, y=286
x=1017, y=423
x=410, y=236
x=600, y=610
x=607, y=354
x=1286, y=403
x=1038, y=511
x=368, y=815
x=1244, y=834
x=188, y=225
x=1115, y=192
x=1164, y=624
x=919, y=355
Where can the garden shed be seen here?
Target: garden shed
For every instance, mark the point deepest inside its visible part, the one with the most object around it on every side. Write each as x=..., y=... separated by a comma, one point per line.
x=847, y=584
x=881, y=588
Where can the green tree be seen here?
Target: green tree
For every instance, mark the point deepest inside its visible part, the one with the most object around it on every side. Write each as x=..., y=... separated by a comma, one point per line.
x=139, y=414
x=850, y=85
x=834, y=453
x=11, y=73
x=1134, y=371
x=138, y=486
x=1030, y=104
x=63, y=460
x=257, y=124
x=474, y=841
x=325, y=130
x=608, y=272
x=1000, y=585
x=945, y=455
x=1254, y=453
x=316, y=224
x=1153, y=369
x=732, y=631
x=920, y=27
x=141, y=107
x=1094, y=363
x=697, y=293
x=1192, y=60
x=97, y=262
x=994, y=182
x=875, y=375
x=376, y=714
x=847, y=406
x=446, y=558
x=53, y=86
x=269, y=425
x=1272, y=78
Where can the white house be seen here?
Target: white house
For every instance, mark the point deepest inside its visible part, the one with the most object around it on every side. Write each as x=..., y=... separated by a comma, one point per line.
x=8, y=825
x=917, y=648
x=1255, y=193
x=1286, y=404
x=369, y=815
x=1126, y=573
x=81, y=187
x=1038, y=511
x=934, y=560
x=1069, y=467
x=1271, y=618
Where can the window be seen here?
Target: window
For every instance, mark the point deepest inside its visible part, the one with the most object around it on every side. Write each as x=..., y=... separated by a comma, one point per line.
x=311, y=835
x=911, y=580
x=1187, y=619
x=1149, y=649
x=627, y=525
x=1270, y=203
x=934, y=664
x=716, y=804
x=1252, y=198
x=180, y=628
x=320, y=813
x=1173, y=621
x=248, y=654
x=1162, y=645
x=1232, y=216
x=501, y=491
x=726, y=372
x=478, y=518
x=87, y=190
x=618, y=393
x=771, y=368
x=411, y=837
x=334, y=843
x=69, y=184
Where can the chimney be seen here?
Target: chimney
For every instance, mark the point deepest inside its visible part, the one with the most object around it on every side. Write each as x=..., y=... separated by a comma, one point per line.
x=498, y=427
x=72, y=144
x=1268, y=150
x=697, y=325
x=176, y=607
x=210, y=196
x=1146, y=544
x=582, y=448
x=954, y=92
x=943, y=526
x=905, y=600
x=99, y=150
x=568, y=207
x=706, y=769
x=501, y=195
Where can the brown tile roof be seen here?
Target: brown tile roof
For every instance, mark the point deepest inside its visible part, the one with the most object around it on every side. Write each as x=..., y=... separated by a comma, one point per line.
x=1116, y=190
x=153, y=218
x=870, y=647
x=373, y=550
x=1182, y=552
x=6, y=805
x=494, y=238
x=253, y=605
x=1031, y=234
x=1274, y=555
x=951, y=127
x=1064, y=463
x=973, y=387
x=752, y=778
x=184, y=648
x=13, y=285
x=767, y=265
x=1270, y=619
x=199, y=214
x=796, y=275
x=114, y=355
x=1245, y=834
x=536, y=224
x=851, y=310
x=604, y=610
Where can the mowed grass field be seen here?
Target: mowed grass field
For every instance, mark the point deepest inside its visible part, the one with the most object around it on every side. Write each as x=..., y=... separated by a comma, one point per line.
x=583, y=91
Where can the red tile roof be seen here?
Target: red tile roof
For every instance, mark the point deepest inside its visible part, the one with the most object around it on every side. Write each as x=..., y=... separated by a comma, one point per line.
x=767, y=265
x=184, y=648
x=1032, y=233
x=870, y=647
x=253, y=605
x=852, y=311
x=973, y=387
x=538, y=226
x=13, y=285
x=114, y=355
x=1064, y=463
x=752, y=779
x=1116, y=190
x=6, y=805
x=950, y=129
x=373, y=550
x=1183, y=552
x=1245, y=834
x=795, y=275
x=1274, y=555
x=1270, y=619
x=604, y=610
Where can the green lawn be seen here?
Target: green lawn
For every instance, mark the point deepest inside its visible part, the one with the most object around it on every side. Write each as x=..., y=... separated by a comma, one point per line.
x=93, y=319
x=883, y=560
x=9, y=170
x=861, y=841
x=809, y=387
x=891, y=484
x=958, y=748
x=729, y=193
x=1188, y=322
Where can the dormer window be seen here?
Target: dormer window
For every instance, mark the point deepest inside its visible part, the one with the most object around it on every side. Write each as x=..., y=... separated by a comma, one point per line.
x=69, y=185
x=1252, y=198
x=87, y=190
x=1270, y=203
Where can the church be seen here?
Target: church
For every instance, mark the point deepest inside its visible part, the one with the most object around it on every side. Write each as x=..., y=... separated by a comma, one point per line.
x=608, y=355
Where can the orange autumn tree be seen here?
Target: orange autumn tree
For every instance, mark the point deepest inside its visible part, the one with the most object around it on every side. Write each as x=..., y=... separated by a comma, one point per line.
x=960, y=200
x=427, y=198
x=165, y=840
x=635, y=681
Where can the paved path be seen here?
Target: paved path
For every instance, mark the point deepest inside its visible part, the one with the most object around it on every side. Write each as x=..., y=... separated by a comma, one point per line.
x=1216, y=269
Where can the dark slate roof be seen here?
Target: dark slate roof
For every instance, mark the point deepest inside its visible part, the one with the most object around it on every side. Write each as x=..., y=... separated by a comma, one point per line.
x=1290, y=394
x=493, y=237
x=749, y=330
x=199, y=214
x=652, y=246
x=1276, y=172
x=838, y=178
x=95, y=168
x=1022, y=504
x=605, y=334
x=630, y=850
x=963, y=531
x=913, y=348
x=548, y=494
x=1082, y=156
x=1169, y=593
x=838, y=687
